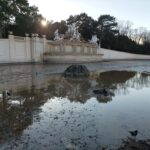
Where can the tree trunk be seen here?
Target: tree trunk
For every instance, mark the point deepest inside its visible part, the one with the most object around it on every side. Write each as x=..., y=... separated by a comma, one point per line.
x=1, y=33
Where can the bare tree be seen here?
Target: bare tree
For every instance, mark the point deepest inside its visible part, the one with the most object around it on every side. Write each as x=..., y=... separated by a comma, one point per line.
x=146, y=37
x=125, y=28
x=142, y=31
x=139, y=35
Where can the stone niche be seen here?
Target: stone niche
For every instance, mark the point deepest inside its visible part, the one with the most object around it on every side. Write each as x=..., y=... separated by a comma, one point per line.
x=73, y=47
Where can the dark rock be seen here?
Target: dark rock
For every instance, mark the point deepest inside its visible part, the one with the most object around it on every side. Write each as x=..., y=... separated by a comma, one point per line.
x=76, y=71
x=103, y=95
x=134, y=133
x=133, y=144
x=104, y=92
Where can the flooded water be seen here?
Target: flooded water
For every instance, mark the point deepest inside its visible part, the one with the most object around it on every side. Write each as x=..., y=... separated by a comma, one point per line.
x=45, y=111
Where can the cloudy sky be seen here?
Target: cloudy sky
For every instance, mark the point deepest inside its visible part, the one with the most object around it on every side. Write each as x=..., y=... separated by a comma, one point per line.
x=137, y=11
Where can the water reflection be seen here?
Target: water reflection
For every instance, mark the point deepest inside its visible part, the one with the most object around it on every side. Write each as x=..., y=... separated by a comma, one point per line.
x=18, y=111
x=114, y=78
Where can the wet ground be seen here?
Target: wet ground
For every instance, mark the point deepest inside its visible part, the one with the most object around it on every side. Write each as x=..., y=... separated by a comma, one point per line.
x=45, y=111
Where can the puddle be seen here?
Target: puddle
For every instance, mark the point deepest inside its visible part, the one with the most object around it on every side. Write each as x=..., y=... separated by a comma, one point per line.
x=47, y=111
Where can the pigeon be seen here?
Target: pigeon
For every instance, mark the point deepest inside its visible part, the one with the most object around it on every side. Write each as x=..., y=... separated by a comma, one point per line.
x=134, y=133
x=8, y=93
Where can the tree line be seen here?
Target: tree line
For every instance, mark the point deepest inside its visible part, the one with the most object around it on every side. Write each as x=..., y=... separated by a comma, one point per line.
x=18, y=16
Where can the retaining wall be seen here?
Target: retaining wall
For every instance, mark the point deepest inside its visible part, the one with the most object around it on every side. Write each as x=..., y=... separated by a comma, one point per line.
x=25, y=49
x=17, y=49
x=116, y=55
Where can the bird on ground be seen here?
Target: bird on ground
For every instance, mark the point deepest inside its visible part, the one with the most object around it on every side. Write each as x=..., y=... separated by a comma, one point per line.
x=8, y=92
x=134, y=133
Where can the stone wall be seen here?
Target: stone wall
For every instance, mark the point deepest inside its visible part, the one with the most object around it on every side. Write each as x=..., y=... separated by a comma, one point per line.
x=66, y=51
x=21, y=49
x=72, y=58
x=117, y=55
x=67, y=47
x=4, y=50
x=17, y=49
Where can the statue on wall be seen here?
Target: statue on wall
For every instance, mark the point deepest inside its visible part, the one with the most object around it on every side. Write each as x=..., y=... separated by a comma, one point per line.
x=57, y=36
x=73, y=31
x=94, y=39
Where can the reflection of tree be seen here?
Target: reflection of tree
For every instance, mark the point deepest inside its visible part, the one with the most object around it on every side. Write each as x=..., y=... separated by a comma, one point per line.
x=15, y=118
x=139, y=81
x=75, y=89
x=120, y=81
x=104, y=99
x=113, y=78
x=79, y=90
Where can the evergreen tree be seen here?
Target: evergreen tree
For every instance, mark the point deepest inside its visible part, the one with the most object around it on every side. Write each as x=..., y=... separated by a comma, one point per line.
x=9, y=9
x=84, y=23
x=106, y=28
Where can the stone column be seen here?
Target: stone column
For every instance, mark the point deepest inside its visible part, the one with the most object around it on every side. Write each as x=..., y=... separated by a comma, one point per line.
x=32, y=47
x=11, y=45
x=44, y=46
x=27, y=47
x=99, y=48
x=44, y=43
x=36, y=49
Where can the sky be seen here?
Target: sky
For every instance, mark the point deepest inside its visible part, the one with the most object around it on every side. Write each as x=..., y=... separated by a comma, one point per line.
x=136, y=11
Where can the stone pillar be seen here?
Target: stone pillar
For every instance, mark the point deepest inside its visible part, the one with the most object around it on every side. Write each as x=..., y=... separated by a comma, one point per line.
x=11, y=45
x=36, y=49
x=44, y=43
x=44, y=47
x=32, y=48
x=99, y=47
x=27, y=47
